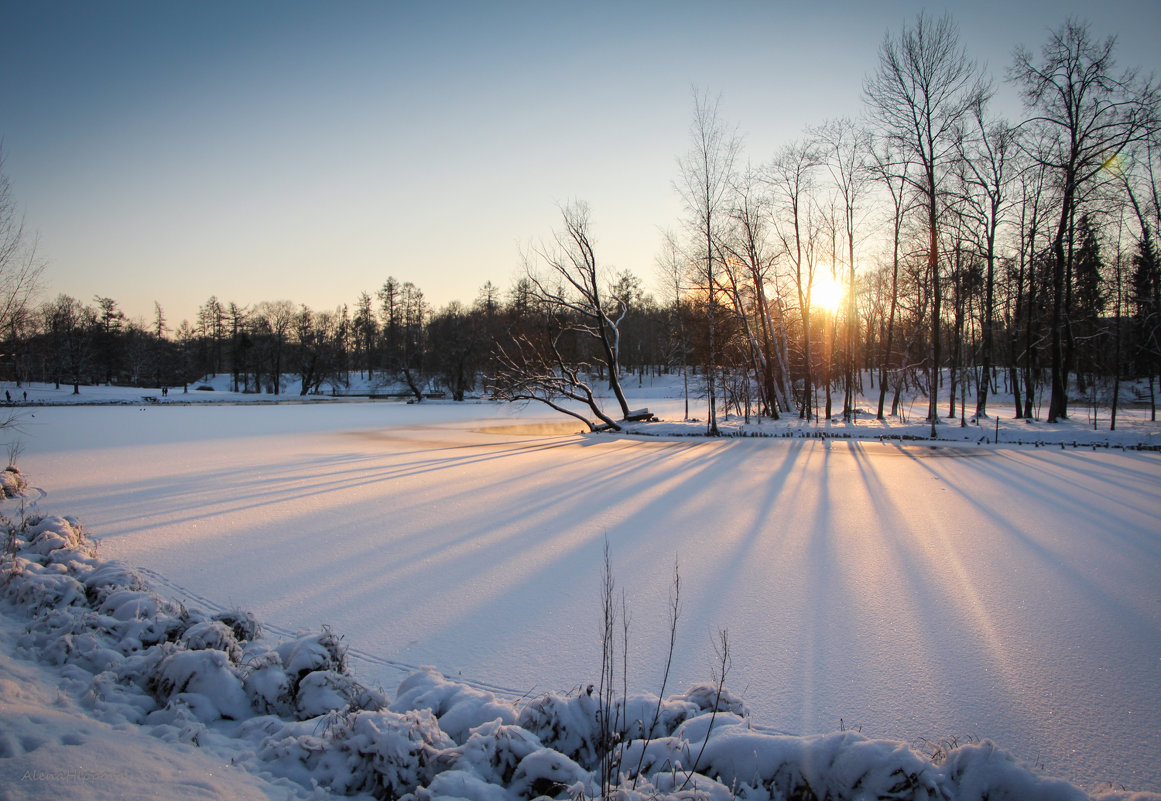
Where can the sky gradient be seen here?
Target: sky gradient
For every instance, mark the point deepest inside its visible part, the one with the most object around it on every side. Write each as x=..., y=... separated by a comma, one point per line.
x=305, y=151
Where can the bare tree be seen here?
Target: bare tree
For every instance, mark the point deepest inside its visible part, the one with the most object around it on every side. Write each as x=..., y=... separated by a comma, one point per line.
x=533, y=369
x=672, y=269
x=274, y=321
x=924, y=87
x=985, y=172
x=748, y=262
x=889, y=168
x=20, y=273
x=566, y=278
x=413, y=342
x=790, y=176
x=845, y=153
x=1085, y=114
x=704, y=185
x=240, y=342
x=20, y=267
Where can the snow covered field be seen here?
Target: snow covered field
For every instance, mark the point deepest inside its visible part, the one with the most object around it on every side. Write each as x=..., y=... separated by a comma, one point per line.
x=976, y=592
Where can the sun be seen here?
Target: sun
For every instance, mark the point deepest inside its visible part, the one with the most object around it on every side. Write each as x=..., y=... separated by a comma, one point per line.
x=826, y=294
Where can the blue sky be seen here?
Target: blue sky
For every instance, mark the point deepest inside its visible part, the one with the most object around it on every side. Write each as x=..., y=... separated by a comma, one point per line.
x=305, y=151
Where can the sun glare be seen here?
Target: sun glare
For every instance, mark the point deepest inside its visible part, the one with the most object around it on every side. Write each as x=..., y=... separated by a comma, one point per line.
x=827, y=293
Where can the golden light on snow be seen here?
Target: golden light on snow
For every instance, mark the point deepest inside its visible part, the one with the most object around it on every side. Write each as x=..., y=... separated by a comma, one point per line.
x=826, y=294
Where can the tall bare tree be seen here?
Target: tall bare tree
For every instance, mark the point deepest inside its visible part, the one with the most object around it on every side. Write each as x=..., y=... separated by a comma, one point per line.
x=791, y=178
x=1085, y=114
x=844, y=147
x=987, y=152
x=748, y=263
x=924, y=87
x=704, y=185
x=889, y=168
x=274, y=321
x=20, y=267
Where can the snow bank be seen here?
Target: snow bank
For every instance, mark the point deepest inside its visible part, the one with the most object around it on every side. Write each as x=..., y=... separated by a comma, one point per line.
x=291, y=711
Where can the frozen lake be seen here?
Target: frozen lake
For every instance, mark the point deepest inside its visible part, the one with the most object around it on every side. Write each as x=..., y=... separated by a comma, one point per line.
x=1008, y=594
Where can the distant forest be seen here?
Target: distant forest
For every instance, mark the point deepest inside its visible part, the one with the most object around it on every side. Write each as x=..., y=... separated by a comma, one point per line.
x=927, y=244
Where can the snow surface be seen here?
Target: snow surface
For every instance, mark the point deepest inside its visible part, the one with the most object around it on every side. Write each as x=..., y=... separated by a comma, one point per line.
x=955, y=593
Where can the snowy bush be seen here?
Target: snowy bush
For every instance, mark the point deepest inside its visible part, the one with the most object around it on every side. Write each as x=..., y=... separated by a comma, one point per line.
x=52, y=533
x=311, y=651
x=12, y=483
x=40, y=588
x=569, y=725
x=323, y=691
x=983, y=772
x=212, y=635
x=550, y=773
x=494, y=750
x=268, y=686
x=109, y=576
x=207, y=674
x=243, y=624
x=842, y=765
x=459, y=708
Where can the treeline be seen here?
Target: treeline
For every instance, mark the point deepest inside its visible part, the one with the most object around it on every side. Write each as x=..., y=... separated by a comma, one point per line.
x=929, y=245
x=393, y=337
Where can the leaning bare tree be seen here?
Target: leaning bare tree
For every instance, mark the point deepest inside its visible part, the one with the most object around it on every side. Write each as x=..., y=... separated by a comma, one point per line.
x=568, y=285
x=532, y=369
x=924, y=87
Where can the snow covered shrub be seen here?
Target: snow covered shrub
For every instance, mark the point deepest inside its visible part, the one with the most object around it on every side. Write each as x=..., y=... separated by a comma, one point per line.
x=401, y=749
x=983, y=772
x=494, y=750
x=550, y=773
x=207, y=676
x=51, y=533
x=566, y=724
x=639, y=709
x=37, y=588
x=12, y=483
x=310, y=651
x=268, y=686
x=323, y=691
x=315, y=666
x=143, y=619
x=460, y=784
x=699, y=727
x=114, y=698
x=844, y=765
x=108, y=577
x=458, y=707
x=682, y=786
x=382, y=753
x=244, y=625
x=86, y=650
x=211, y=635
x=704, y=697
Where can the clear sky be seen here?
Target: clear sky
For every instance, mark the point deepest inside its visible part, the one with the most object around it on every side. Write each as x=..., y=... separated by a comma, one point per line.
x=170, y=151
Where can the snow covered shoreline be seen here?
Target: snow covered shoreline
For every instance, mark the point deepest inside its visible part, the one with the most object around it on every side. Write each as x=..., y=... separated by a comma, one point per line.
x=291, y=714
x=1089, y=426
